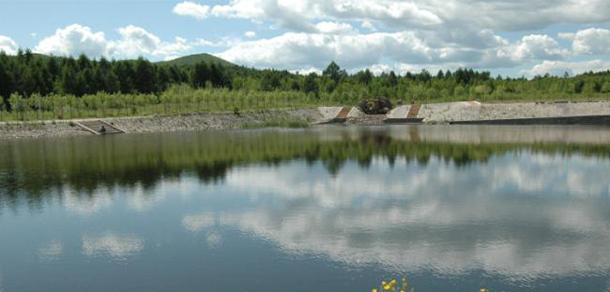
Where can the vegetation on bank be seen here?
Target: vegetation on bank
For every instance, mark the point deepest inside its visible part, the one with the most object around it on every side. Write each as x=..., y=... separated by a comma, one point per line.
x=42, y=87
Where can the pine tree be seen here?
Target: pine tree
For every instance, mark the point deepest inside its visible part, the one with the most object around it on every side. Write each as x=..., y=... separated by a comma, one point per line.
x=6, y=80
x=145, y=78
x=201, y=75
x=310, y=84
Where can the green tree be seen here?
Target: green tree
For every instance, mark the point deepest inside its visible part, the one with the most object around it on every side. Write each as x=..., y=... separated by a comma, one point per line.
x=606, y=87
x=145, y=78
x=365, y=77
x=18, y=105
x=201, y=75
x=6, y=81
x=310, y=85
x=334, y=72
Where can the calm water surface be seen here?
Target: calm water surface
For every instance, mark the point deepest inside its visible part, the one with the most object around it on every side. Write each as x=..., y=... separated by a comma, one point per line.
x=325, y=209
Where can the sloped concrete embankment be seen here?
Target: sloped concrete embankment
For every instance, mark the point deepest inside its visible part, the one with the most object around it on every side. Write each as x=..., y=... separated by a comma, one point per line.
x=592, y=113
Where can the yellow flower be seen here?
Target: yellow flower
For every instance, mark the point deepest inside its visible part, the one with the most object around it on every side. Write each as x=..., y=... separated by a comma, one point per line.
x=374, y=290
x=393, y=282
x=483, y=290
x=383, y=283
x=387, y=287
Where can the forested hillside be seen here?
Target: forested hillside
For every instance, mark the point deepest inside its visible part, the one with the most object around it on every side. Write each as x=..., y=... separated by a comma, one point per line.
x=198, y=58
x=28, y=74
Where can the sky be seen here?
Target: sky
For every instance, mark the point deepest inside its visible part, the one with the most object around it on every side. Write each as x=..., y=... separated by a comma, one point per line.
x=507, y=37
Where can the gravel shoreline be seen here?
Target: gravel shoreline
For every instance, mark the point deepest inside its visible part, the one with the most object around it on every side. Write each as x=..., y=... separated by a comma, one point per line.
x=192, y=122
x=442, y=113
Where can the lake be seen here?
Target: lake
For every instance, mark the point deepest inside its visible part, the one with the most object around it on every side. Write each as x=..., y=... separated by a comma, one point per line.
x=450, y=208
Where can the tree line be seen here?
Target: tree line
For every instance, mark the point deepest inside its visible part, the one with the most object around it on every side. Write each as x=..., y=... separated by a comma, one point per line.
x=27, y=74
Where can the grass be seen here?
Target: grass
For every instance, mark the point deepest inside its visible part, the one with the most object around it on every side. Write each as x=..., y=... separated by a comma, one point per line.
x=182, y=99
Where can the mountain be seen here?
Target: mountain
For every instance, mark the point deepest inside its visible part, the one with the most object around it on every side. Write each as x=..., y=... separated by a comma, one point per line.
x=194, y=59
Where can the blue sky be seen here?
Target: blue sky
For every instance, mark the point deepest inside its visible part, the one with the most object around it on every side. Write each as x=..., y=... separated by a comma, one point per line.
x=514, y=38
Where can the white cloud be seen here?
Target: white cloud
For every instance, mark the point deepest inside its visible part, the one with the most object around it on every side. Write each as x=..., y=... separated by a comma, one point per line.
x=298, y=51
x=592, y=41
x=8, y=46
x=453, y=15
x=448, y=31
x=74, y=40
x=224, y=42
x=444, y=33
x=558, y=68
x=535, y=47
x=195, y=10
x=327, y=27
x=299, y=15
x=250, y=34
x=352, y=50
x=135, y=41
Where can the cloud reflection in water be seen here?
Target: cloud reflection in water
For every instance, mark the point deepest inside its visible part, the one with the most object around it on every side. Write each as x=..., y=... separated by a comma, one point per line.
x=520, y=215
x=112, y=245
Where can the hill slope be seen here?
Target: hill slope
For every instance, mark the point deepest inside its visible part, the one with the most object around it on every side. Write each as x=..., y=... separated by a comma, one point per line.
x=194, y=59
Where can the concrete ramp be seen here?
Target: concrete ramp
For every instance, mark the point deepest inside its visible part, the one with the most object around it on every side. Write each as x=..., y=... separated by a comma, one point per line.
x=99, y=127
x=405, y=115
x=342, y=115
x=414, y=111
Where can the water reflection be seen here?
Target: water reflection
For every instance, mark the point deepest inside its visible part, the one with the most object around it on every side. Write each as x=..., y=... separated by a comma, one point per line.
x=449, y=219
x=51, y=250
x=527, y=211
x=78, y=169
x=114, y=245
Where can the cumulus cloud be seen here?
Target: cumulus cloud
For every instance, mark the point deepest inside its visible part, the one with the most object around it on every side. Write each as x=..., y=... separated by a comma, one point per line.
x=298, y=15
x=407, y=49
x=8, y=46
x=559, y=68
x=536, y=47
x=592, y=41
x=302, y=50
x=250, y=34
x=447, y=32
x=327, y=27
x=136, y=41
x=191, y=9
x=402, y=15
x=74, y=40
x=77, y=39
